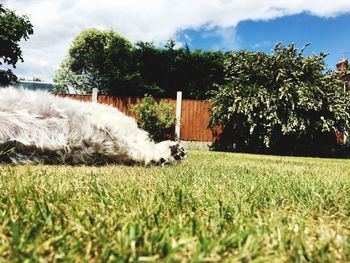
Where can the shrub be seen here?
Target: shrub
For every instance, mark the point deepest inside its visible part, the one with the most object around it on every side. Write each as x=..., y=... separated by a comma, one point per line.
x=283, y=102
x=156, y=118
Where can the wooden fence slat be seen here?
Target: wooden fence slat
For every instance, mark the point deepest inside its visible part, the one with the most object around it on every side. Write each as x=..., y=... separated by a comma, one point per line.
x=184, y=120
x=206, y=132
x=197, y=121
x=187, y=128
x=193, y=120
x=201, y=116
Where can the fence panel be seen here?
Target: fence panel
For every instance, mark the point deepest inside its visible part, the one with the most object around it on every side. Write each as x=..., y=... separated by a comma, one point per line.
x=75, y=96
x=194, y=114
x=194, y=121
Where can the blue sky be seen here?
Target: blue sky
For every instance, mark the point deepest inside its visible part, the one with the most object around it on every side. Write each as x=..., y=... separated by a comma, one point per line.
x=206, y=24
x=331, y=35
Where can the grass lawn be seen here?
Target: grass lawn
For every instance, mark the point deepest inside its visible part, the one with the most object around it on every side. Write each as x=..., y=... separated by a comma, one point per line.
x=212, y=207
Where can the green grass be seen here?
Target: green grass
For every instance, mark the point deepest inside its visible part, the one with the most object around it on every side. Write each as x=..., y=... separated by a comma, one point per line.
x=212, y=207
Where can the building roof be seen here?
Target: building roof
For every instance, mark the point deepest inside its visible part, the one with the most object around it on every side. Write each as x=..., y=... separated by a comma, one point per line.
x=35, y=85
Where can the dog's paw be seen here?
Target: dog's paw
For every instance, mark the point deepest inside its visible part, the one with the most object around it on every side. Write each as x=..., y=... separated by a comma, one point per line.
x=178, y=152
x=173, y=152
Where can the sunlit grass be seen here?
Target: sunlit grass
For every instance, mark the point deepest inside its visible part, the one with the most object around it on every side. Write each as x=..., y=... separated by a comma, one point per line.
x=211, y=207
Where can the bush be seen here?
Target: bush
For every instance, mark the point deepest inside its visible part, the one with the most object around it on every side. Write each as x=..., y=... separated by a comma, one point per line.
x=279, y=103
x=156, y=118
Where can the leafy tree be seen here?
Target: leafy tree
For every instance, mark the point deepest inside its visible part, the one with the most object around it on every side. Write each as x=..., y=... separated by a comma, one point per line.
x=13, y=28
x=283, y=102
x=100, y=59
x=206, y=71
x=65, y=78
x=104, y=60
x=37, y=79
x=165, y=71
x=151, y=68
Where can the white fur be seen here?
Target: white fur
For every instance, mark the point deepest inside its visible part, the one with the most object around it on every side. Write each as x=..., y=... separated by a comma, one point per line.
x=38, y=127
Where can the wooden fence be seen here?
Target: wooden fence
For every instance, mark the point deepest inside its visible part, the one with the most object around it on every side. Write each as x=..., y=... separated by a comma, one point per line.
x=194, y=114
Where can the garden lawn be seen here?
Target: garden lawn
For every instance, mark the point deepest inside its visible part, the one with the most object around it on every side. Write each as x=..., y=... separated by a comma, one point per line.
x=211, y=207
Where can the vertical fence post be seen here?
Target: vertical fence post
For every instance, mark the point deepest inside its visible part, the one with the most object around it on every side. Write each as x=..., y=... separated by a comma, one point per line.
x=178, y=115
x=94, y=95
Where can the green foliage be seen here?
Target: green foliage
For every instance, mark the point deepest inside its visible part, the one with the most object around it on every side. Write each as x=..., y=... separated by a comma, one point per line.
x=13, y=29
x=156, y=118
x=213, y=206
x=279, y=101
x=170, y=69
x=65, y=78
x=37, y=79
x=98, y=59
x=104, y=60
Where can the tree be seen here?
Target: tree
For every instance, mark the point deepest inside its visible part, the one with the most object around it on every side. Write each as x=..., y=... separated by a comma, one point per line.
x=105, y=60
x=167, y=70
x=101, y=59
x=284, y=102
x=151, y=68
x=65, y=78
x=13, y=28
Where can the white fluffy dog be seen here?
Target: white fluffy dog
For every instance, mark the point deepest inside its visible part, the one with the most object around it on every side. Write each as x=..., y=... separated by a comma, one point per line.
x=38, y=127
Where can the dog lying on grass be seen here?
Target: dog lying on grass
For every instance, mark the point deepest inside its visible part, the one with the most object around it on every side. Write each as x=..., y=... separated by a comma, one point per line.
x=38, y=127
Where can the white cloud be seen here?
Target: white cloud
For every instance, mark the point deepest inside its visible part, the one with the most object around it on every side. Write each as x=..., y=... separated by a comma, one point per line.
x=262, y=44
x=228, y=39
x=56, y=23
